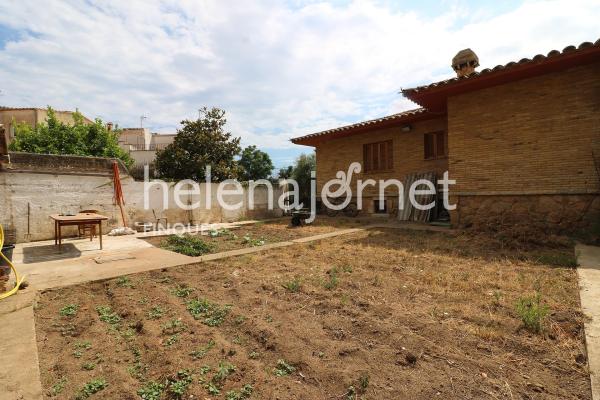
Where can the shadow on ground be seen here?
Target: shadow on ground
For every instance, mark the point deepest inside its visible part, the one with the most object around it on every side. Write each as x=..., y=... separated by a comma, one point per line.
x=50, y=253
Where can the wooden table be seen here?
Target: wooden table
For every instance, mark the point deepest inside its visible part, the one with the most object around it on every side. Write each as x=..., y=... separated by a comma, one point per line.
x=78, y=219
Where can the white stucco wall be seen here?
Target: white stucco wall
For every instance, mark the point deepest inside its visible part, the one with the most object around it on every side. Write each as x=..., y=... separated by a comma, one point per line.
x=55, y=193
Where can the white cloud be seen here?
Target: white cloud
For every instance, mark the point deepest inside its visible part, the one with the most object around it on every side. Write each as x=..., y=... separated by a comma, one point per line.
x=279, y=70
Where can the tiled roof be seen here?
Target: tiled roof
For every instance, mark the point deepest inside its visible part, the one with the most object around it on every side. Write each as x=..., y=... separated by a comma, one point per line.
x=364, y=124
x=538, y=59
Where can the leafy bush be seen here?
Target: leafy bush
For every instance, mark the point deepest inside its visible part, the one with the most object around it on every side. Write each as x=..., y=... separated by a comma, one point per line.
x=69, y=310
x=188, y=245
x=532, y=312
x=283, y=368
x=91, y=388
x=151, y=391
x=80, y=138
x=179, y=385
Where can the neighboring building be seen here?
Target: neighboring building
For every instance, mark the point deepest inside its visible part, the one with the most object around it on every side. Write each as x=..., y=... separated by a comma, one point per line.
x=142, y=145
x=522, y=141
x=31, y=116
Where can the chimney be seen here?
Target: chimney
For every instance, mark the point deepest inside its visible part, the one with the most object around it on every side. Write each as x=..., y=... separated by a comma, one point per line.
x=109, y=126
x=465, y=62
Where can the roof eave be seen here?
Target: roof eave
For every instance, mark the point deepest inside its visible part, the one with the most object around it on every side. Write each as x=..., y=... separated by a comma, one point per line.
x=434, y=96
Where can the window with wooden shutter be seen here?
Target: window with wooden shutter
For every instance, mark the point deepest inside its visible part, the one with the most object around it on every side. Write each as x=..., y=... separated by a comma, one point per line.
x=378, y=156
x=434, y=145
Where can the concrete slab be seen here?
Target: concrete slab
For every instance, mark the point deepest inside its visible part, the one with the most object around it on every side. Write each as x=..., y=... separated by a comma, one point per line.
x=589, y=284
x=19, y=364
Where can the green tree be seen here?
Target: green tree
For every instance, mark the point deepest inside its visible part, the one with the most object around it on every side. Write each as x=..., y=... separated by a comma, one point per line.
x=285, y=173
x=301, y=173
x=197, y=145
x=79, y=138
x=255, y=164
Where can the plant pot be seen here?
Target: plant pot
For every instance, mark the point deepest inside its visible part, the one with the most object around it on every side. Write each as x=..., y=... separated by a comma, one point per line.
x=7, y=250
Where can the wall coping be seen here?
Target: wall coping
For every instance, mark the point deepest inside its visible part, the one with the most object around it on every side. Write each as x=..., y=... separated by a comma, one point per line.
x=58, y=164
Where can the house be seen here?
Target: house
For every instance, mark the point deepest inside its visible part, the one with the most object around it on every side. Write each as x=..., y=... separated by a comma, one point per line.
x=522, y=141
x=31, y=116
x=142, y=144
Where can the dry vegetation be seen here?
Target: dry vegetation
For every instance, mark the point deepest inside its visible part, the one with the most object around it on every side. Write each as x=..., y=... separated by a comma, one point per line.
x=380, y=314
x=219, y=240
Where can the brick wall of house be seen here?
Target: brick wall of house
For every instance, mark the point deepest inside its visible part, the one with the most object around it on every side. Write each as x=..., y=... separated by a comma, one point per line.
x=513, y=143
x=408, y=155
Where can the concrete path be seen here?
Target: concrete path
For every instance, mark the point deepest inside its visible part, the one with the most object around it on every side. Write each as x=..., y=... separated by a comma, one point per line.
x=19, y=365
x=589, y=284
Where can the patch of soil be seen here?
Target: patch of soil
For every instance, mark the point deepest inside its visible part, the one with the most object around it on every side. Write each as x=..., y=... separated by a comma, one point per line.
x=384, y=314
x=261, y=234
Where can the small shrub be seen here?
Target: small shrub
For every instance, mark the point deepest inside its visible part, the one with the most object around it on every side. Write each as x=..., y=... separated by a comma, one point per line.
x=182, y=291
x=211, y=314
x=532, y=312
x=250, y=241
x=88, y=366
x=283, y=368
x=293, y=285
x=173, y=326
x=244, y=393
x=58, y=387
x=333, y=281
x=188, y=245
x=178, y=386
x=151, y=391
x=201, y=352
x=107, y=315
x=223, y=371
x=69, y=310
x=350, y=393
x=91, y=388
x=172, y=340
x=156, y=312
x=124, y=281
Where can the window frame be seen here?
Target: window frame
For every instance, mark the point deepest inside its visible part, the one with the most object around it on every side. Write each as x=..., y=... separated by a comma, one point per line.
x=435, y=145
x=384, y=148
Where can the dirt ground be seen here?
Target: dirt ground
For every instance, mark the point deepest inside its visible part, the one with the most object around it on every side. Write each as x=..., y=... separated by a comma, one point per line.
x=380, y=314
x=268, y=232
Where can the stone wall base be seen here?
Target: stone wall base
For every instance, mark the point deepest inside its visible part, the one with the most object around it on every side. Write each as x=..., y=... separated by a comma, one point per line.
x=551, y=213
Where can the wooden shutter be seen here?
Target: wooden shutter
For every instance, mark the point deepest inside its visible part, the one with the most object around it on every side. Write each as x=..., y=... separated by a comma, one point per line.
x=429, y=145
x=440, y=146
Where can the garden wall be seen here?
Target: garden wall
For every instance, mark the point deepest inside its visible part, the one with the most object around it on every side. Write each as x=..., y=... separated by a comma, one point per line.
x=33, y=187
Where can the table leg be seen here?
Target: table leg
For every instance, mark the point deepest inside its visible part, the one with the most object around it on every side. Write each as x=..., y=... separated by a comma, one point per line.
x=59, y=236
x=55, y=233
x=100, y=233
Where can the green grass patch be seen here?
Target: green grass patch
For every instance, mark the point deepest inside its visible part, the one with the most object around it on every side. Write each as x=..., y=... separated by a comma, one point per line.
x=91, y=388
x=108, y=315
x=70, y=310
x=211, y=314
x=532, y=312
x=188, y=245
x=156, y=312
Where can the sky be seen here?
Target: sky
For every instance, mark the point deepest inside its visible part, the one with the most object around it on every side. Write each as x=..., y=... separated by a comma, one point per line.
x=280, y=69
